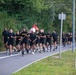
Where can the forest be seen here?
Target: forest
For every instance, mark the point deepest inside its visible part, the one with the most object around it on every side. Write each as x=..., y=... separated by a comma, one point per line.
x=16, y=14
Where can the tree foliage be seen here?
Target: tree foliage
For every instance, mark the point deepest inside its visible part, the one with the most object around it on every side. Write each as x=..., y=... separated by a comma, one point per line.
x=24, y=13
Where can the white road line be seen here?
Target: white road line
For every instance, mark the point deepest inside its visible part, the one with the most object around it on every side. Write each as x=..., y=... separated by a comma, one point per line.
x=3, y=52
x=38, y=60
x=8, y=56
x=12, y=55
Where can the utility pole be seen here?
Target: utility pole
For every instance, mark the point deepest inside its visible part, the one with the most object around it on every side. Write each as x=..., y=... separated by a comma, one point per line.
x=73, y=26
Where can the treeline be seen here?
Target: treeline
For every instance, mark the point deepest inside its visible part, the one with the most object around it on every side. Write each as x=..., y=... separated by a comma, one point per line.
x=24, y=13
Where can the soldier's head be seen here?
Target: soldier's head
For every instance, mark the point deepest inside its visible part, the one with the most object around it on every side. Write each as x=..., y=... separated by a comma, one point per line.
x=24, y=29
x=5, y=28
x=54, y=31
x=32, y=31
x=49, y=32
x=11, y=30
x=42, y=30
x=17, y=32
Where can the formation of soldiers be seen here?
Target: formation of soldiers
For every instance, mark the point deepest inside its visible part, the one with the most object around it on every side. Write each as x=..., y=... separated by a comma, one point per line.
x=33, y=41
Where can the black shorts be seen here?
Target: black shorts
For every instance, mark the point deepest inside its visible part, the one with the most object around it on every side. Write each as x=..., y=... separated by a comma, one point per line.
x=25, y=41
x=55, y=40
x=70, y=39
x=43, y=41
x=31, y=43
x=37, y=41
x=5, y=41
x=18, y=42
x=48, y=41
x=63, y=39
x=11, y=42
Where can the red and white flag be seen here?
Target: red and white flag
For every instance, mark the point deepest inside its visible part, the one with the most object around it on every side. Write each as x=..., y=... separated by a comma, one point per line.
x=34, y=28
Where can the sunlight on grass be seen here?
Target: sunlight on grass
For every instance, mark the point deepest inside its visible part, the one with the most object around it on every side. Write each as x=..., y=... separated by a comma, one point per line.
x=52, y=66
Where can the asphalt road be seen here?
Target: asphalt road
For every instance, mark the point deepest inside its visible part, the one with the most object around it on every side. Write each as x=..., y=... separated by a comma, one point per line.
x=12, y=64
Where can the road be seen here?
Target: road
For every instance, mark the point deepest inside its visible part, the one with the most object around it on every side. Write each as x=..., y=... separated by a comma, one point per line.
x=12, y=64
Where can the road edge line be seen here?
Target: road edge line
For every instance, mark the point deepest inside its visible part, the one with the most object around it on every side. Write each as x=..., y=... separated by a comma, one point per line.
x=37, y=61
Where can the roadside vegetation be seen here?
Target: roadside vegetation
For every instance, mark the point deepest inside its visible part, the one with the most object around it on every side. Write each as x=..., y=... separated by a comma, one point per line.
x=52, y=66
x=17, y=14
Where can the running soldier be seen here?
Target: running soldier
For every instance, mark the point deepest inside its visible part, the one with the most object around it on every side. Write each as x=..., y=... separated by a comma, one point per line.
x=42, y=37
x=32, y=41
x=37, y=40
x=63, y=39
x=11, y=37
x=66, y=38
x=48, y=40
x=24, y=41
x=18, y=40
x=55, y=38
x=70, y=39
x=5, y=38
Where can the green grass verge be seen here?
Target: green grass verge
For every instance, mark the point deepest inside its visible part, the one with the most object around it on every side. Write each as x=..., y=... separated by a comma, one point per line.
x=2, y=49
x=52, y=66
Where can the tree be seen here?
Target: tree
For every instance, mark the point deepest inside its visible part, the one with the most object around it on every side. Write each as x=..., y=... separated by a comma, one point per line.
x=24, y=13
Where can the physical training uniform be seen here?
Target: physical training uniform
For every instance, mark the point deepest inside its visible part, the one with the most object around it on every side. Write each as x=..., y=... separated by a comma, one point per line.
x=55, y=37
x=24, y=36
x=11, y=39
x=48, y=38
x=5, y=35
x=18, y=39
x=38, y=39
x=32, y=39
x=42, y=36
x=63, y=39
x=42, y=39
x=71, y=37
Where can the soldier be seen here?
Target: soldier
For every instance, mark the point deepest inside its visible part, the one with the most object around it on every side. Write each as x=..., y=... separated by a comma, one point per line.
x=42, y=37
x=48, y=40
x=5, y=38
x=11, y=37
x=37, y=40
x=55, y=38
x=18, y=40
x=63, y=39
x=24, y=41
x=70, y=39
x=32, y=41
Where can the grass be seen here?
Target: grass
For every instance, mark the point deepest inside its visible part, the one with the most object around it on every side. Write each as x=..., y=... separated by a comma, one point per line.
x=52, y=66
x=2, y=49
